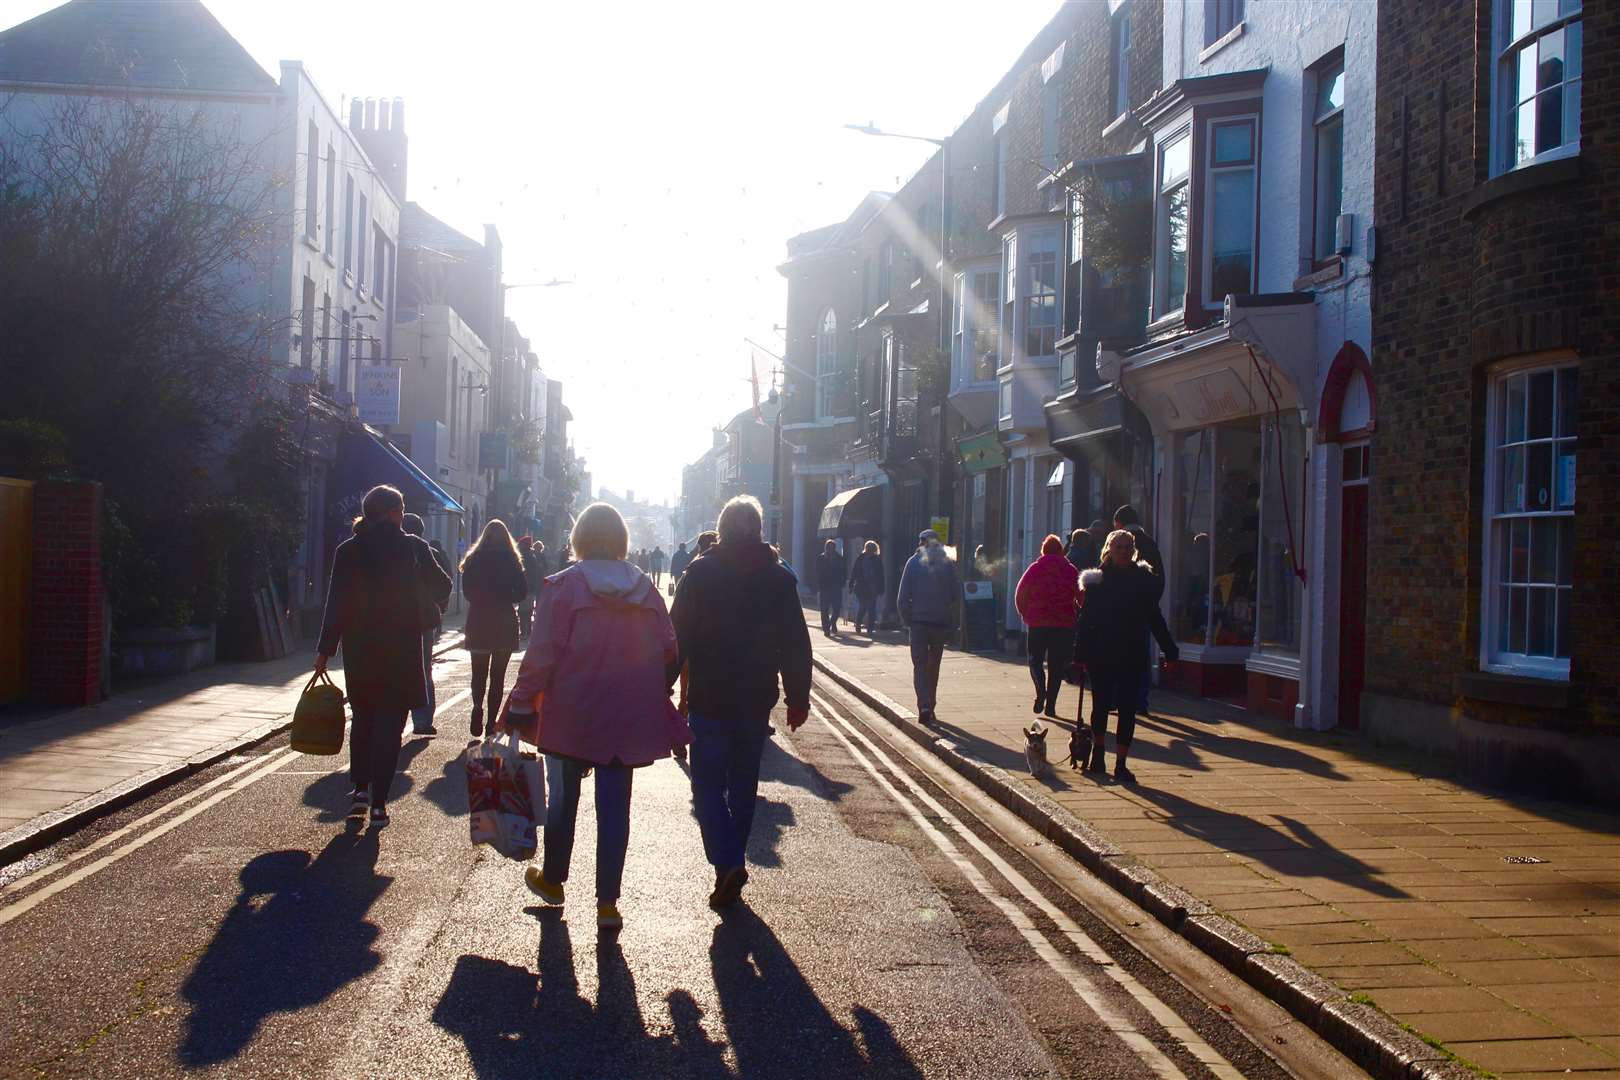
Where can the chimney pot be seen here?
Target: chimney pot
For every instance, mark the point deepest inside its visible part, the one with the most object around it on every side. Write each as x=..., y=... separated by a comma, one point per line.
x=371, y=114
x=356, y=114
x=384, y=108
x=399, y=114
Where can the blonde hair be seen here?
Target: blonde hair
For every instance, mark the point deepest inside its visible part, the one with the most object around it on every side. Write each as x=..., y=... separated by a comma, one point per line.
x=599, y=533
x=1119, y=537
x=872, y=548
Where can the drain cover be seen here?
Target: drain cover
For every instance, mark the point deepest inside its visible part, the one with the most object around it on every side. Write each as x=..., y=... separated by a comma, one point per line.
x=1522, y=859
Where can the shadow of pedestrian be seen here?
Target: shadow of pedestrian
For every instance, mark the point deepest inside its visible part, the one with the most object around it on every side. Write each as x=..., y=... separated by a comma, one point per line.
x=777, y=1025
x=330, y=793
x=297, y=933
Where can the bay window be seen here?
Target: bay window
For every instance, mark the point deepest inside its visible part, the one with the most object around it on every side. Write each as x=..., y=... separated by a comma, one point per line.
x=1230, y=229
x=1530, y=523
x=826, y=364
x=974, y=358
x=1329, y=136
x=1175, y=173
x=1537, y=104
x=1009, y=299
x=1040, y=295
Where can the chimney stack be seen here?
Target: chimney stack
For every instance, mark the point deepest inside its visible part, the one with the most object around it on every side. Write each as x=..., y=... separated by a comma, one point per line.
x=356, y=114
x=383, y=108
x=371, y=114
x=378, y=125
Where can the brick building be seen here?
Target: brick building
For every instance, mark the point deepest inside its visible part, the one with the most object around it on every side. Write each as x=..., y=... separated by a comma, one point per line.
x=1491, y=557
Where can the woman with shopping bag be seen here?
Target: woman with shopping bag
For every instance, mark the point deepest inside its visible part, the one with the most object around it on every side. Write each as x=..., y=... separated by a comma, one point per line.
x=601, y=662
x=383, y=581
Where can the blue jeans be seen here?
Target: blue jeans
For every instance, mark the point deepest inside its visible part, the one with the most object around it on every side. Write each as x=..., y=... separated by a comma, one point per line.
x=563, y=777
x=422, y=718
x=725, y=783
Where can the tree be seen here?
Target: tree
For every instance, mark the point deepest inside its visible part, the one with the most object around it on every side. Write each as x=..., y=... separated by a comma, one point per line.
x=140, y=239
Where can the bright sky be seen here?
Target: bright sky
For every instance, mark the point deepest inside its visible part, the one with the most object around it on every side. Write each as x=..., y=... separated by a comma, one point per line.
x=657, y=154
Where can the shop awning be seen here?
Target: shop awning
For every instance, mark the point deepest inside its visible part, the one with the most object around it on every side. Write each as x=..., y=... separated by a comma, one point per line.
x=982, y=452
x=854, y=512
x=366, y=459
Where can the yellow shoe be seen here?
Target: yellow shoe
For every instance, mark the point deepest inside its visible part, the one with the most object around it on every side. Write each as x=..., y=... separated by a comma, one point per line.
x=608, y=917
x=549, y=891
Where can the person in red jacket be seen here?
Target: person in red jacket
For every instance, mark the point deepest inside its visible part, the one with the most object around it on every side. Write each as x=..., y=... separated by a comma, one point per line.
x=1048, y=598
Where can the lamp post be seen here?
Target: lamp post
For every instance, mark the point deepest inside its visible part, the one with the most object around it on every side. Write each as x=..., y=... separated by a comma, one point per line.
x=942, y=491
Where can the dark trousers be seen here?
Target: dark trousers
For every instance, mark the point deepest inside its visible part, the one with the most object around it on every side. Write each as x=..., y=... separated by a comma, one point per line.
x=612, y=822
x=725, y=783
x=865, y=611
x=374, y=750
x=490, y=669
x=422, y=717
x=832, y=606
x=927, y=650
x=525, y=611
x=1050, y=650
x=1114, y=686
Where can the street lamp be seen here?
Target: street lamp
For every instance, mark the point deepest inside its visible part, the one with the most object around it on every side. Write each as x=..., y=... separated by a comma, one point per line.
x=941, y=492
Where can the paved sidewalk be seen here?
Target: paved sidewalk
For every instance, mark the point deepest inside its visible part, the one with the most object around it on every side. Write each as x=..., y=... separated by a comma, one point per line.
x=60, y=768
x=1389, y=880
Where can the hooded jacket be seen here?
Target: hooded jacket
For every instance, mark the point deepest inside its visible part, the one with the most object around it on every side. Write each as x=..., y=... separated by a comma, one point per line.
x=740, y=627
x=1120, y=608
x=601, y=645
x=866, y=577
x=373, y=612
x=928, y=588
x=1049, y=592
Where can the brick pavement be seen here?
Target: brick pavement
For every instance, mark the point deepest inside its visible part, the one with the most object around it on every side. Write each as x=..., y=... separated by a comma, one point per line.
x=1367, y=866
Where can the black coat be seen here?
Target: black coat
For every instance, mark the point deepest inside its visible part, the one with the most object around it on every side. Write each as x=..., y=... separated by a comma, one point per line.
x=493, y=584
x=740, y=626
x=866, y=577
x=830, y=572
x=1120, y=609
x=374, y=610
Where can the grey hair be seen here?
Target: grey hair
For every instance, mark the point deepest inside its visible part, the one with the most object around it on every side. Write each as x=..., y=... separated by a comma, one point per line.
x=599, y=533
x=741, y=520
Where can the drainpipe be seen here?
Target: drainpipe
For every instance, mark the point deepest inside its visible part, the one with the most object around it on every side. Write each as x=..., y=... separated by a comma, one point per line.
x=1309, y=611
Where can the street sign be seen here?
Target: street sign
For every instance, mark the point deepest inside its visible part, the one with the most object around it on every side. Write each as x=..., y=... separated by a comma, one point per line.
x=376, y=394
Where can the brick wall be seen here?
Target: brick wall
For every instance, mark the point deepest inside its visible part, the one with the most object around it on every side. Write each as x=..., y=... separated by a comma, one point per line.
x=1470, y=272
x=66, y=624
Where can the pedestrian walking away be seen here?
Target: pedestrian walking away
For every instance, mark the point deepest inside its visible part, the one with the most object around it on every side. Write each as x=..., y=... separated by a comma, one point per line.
x=656, y=561
x=830, y=586
x=927, y=603
x=706, y=540
x=740, y=629
x=422, y=717
x=1048, y=600
x=678, y=562
x=525, y=609
x=1147, y=551
x=382, y=583
x=600, y=665
x=1116, y=617
x=1081, y=550
x=866, y=580
x=493, y=581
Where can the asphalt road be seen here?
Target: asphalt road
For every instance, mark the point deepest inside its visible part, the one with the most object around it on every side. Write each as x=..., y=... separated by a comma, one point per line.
x=234, y=925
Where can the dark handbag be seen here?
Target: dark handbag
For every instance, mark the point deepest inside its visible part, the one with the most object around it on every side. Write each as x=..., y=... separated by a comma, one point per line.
x=317, y=726
x=428, y=611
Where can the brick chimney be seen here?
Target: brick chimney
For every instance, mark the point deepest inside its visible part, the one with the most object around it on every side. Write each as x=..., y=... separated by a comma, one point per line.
x=378, y=125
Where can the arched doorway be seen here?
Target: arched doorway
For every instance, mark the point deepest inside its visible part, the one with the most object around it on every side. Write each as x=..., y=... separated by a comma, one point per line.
x=1348, y=416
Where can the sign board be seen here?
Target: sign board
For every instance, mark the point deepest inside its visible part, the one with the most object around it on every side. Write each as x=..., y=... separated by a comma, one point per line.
x=376, y=394
x=494, y=450
x=941, y=525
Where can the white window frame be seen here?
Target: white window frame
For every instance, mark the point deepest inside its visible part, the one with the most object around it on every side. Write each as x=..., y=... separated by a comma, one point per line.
x=1119, y=59
x=973, y=322
x=826, y=363
x=1490, y=657
x=1007, y=333
x=1323, y=120
x=1504, y=83
x=1211, y=169
x=1214, y=30
x=1165, y=305
x=1042, y=242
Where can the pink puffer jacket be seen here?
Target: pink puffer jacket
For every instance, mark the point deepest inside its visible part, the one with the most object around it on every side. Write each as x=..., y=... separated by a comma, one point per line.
x=1049, y=592
x=601, y=643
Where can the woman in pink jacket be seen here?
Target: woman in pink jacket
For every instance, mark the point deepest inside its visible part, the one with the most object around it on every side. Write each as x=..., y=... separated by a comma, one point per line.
x=1048, y=599
x=600, y=664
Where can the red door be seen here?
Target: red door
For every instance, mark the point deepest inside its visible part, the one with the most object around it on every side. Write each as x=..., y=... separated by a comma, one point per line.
x=1352, y=604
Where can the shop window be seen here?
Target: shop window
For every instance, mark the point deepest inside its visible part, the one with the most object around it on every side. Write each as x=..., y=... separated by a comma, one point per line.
x=826, y=363
x=1530, y=527
x=1221, y=17
x=1231, y=186
x=1280, y=594
x=1189, y=600
x=1537, y=113
x=1329, y=178
x=1175, y=170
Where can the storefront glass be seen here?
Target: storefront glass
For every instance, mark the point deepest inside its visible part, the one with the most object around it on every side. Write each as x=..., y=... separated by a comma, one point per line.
x=1236, y=533
x=1282, y=536
x=1189, y=603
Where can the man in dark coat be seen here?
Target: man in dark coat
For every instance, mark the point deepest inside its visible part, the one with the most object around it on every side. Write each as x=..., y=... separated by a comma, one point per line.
x=739, y=626
x=927, y=603
x=1147, y=549
x=830, y=586
x=1082, y=550
x=382, y=583
x=422, y=717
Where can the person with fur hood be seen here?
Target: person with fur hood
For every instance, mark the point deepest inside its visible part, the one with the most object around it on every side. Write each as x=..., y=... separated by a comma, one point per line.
x=593, y=693
x=1120, y=599
x=1047, y=598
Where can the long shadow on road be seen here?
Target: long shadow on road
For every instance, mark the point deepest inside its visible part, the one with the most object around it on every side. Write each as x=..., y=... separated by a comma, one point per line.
x=297, y=933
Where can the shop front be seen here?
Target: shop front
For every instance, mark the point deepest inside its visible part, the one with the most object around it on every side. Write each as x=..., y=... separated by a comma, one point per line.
x=1111, y=448
x=1232, y=423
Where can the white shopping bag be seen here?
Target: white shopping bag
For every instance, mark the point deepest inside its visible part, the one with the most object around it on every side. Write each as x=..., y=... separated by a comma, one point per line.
x=505, y=797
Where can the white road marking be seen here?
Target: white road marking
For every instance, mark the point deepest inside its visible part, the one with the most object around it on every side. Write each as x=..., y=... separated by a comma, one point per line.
x=269, y=763
x=1077, y=979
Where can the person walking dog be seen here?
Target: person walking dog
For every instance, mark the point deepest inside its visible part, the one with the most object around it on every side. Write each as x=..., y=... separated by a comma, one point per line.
x=740, y=627
x=1116, y=617
x=866, y=578
x=1048, y=598
x=927, y=604
x=493, y=581
x=600, y=661
x=382, y=583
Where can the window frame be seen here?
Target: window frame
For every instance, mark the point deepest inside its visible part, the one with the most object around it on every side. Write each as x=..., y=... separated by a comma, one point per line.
x=312, y=182
x=969, y=329
x=1491, y=657
x=1007, y=330
x=348, y=224
x=1322, y=121
x=331, y=201
x=1215, y=26
x=1162, y=301
x=1119, y=61
x=1000, y=175
x=826, y=363
x=1040, y=242
x=1208, y=170
x=1504, y=97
